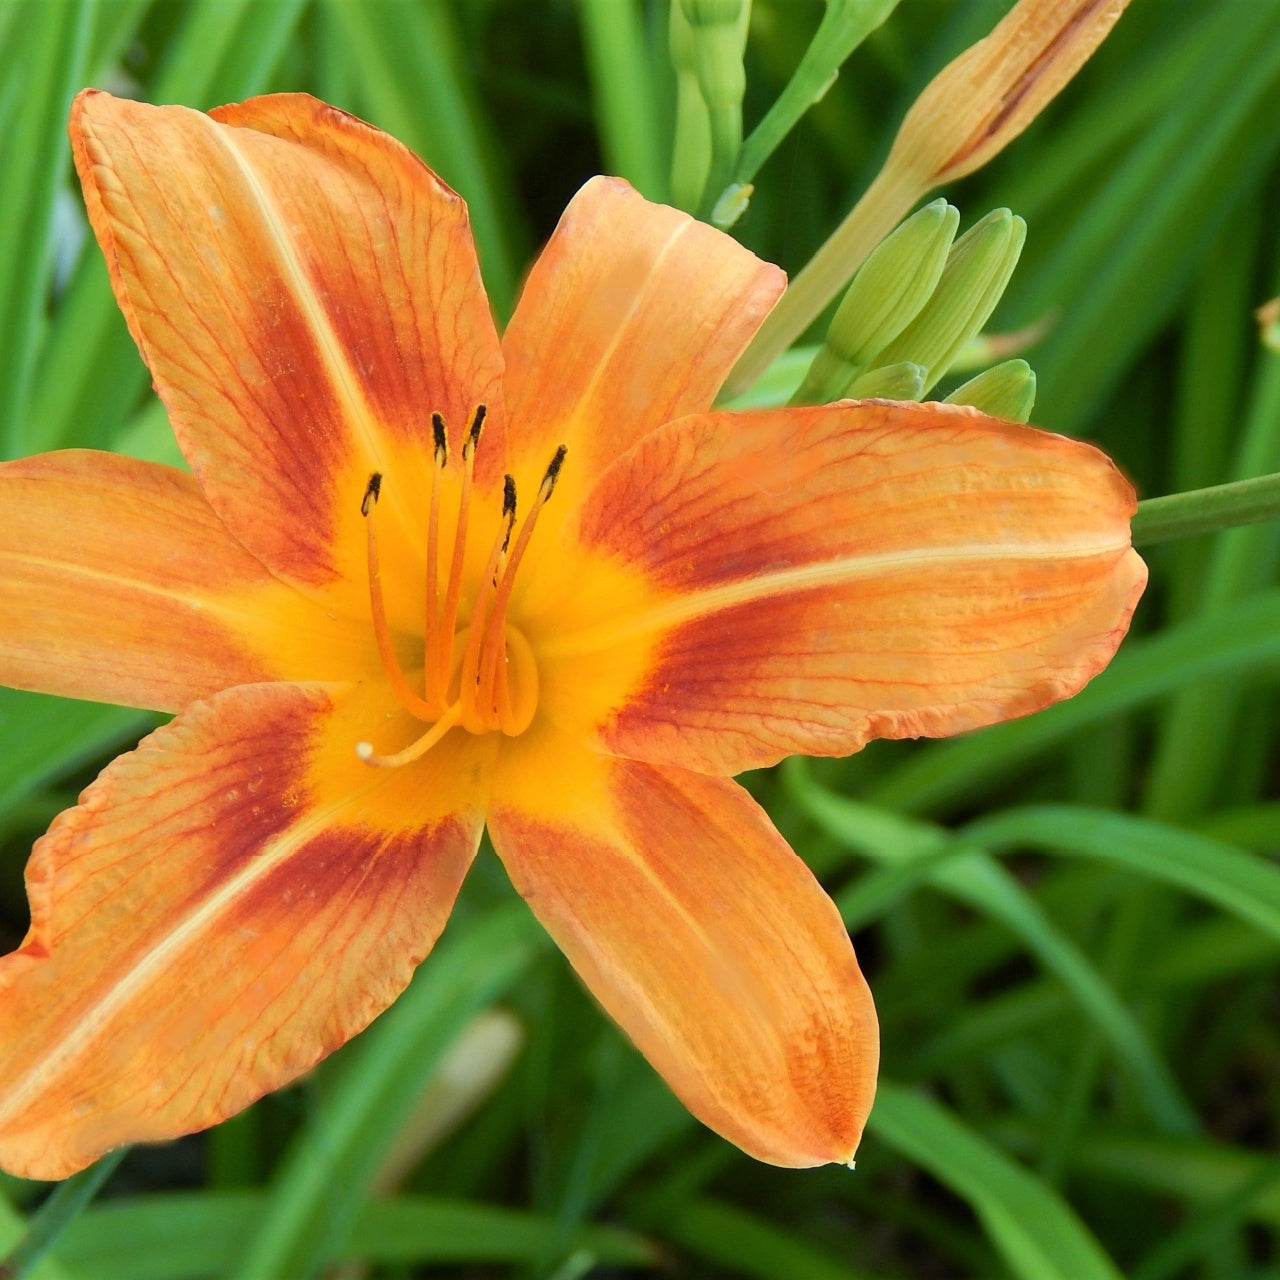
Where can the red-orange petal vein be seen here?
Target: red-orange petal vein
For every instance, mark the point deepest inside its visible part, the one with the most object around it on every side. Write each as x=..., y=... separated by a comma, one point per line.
x=118, y=583
x=853, y=571
x=305, y=292
x=704, y=936
x=206, y=926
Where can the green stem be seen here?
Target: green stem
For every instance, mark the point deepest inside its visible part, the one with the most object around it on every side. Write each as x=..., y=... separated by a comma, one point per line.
x=1223, y=506
x=56, y=1213
x=845, y=24
x=622, y=85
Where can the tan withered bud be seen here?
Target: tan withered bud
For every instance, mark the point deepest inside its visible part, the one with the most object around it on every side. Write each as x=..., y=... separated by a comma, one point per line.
x=986, y=97
x=1268, y=317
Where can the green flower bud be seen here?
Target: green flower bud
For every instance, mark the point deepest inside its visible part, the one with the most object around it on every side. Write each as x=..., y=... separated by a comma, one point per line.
x=887, y=293
x=691, y=152
x=718, y=30
x=977, y=271
x=903, y=381
x=1005, y=390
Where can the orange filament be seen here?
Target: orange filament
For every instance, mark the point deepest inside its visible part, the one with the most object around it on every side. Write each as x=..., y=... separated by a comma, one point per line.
x=477, y=717
x=415, y=705
x=415, y=750
x=439, y=667
x=431, y=634
x=494, y=641
x=491, y=662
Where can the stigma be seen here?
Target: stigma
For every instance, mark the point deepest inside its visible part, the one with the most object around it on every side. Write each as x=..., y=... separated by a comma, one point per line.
x=478, y=670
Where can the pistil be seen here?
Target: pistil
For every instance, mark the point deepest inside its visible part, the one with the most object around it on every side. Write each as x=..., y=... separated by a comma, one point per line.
x=492, y=662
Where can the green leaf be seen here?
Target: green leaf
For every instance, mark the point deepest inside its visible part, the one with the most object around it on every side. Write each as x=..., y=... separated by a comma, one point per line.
x=747, y=1244
x=1246, y=886
x=323, y=1179
x=972, y=877
x=1036, y=1232
x=189, y=1235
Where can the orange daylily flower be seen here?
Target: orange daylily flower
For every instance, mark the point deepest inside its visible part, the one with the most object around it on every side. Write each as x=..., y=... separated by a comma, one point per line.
x=421, y=580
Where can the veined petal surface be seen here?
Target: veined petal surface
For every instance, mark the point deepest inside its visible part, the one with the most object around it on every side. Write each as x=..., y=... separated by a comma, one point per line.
x=703, y=935
x=306, y=294
x=209, y=922
x=118, y=583
x=853, y=571
x=633, y=315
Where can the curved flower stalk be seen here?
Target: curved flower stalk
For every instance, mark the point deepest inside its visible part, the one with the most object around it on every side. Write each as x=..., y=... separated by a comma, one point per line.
x=421, y=580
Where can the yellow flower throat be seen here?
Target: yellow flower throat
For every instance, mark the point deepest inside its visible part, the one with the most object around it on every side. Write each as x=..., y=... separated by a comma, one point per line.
x=481, y=676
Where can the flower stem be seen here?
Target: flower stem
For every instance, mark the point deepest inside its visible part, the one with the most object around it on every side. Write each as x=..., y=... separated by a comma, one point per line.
x=1183, y=515
x=58, y=1210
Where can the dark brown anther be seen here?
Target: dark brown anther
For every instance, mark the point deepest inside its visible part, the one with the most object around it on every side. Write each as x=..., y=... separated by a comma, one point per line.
x=553, y=472
x=371, y=493
x=441, y=439
x=473, y=434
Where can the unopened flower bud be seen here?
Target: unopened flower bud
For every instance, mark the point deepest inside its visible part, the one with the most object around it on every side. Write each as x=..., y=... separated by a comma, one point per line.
x=977, y=271
x=888, y=292
x=904, y=381
x=1006, y=390
x=718, y=32
x=982, y=100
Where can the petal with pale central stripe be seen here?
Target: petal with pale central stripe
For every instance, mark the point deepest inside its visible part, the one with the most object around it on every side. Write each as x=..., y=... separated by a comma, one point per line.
x=821, y=577
x=207, y=924
x=633, y=314
x=143, y=598
x=703, y=935
x=306, y=294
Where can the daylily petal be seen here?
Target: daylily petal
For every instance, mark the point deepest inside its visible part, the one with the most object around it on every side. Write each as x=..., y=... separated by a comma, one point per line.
x=633, y=315
x=848, y=572
x=211, y=921
x=305, y=292
x=118, y=583
x=704, y=936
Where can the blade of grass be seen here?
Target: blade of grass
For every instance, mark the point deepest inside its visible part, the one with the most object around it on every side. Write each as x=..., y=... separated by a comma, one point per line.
x=721, y=1233
x=45, y=738
x=90, y=379
x=974, y=878
x=1140, y=238
x=619, y=60
x=413, y=75
x=47, y=56
x=1199, y=733
x=12, y=1228
x=1036, y=1232
x=318, y=1190
x=1246, y=886
x=189, y=1235
x=56, y=1215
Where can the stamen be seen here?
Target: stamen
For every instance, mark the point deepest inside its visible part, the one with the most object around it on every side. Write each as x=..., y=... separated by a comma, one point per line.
x=496, y=627
x=439, y=669
x=415, y=750
x=431, y=639
x=475, y=719
x=409, y=699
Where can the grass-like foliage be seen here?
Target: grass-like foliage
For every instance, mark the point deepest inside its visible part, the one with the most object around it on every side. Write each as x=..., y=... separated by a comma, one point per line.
x=1071, y=923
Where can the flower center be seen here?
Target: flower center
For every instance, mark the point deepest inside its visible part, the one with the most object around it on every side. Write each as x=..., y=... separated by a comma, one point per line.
x=480, y=675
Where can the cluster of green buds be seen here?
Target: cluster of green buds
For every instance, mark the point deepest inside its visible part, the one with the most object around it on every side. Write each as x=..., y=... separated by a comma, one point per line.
x=914, y=306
